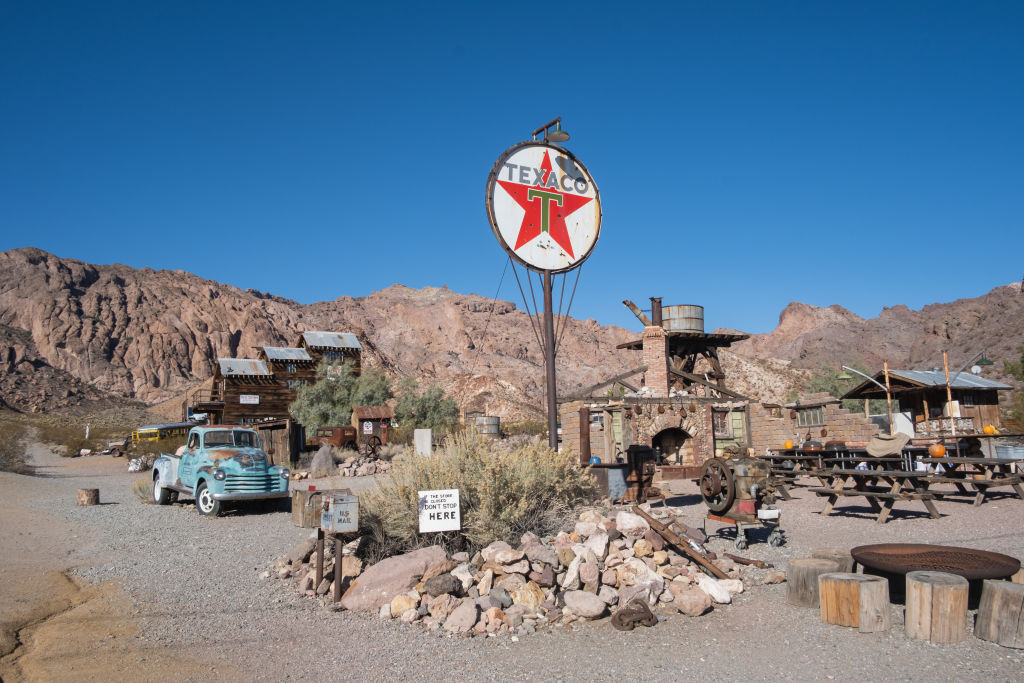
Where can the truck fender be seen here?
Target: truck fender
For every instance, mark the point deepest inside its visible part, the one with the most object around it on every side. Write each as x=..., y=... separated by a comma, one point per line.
x=162, y=470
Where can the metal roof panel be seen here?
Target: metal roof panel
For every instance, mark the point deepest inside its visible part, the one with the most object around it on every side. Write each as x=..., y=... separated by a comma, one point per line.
x=243, y=367
x=286, y=353
x=332, y=340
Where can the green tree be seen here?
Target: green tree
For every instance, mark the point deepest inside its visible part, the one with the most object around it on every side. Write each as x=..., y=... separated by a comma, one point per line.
x=328, y=403
x=426, y=409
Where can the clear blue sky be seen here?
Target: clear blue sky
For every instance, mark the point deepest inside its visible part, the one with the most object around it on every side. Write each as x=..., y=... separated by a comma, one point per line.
x=748, y=153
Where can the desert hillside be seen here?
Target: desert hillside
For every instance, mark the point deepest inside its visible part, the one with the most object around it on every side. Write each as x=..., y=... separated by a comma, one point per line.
x=72, y=334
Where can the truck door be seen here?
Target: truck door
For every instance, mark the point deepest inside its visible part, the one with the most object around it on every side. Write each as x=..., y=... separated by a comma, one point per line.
x=187, y=468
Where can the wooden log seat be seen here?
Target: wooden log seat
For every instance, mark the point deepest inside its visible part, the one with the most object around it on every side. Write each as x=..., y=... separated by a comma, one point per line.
x=859, y=601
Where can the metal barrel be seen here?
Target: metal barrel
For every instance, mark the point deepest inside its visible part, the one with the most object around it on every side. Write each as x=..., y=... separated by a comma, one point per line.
x=489, y=426
x=685, y=318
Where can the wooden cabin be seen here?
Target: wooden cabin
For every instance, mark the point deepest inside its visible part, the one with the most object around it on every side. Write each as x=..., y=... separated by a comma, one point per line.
x=249, y=392
x=922, y=394
x=293, y=367
x=332, y=346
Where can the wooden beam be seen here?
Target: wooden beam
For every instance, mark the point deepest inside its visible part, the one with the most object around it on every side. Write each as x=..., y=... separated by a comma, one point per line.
x=583, y=394
x=697, y=379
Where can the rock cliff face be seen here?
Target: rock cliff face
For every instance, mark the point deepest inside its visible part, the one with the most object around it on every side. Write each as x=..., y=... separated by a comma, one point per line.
x=151, y=335
x=812, y=337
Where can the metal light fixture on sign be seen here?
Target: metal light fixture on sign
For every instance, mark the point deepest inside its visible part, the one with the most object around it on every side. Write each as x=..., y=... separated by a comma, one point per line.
x=844, y=375
x=557, y=135
x=984, y=360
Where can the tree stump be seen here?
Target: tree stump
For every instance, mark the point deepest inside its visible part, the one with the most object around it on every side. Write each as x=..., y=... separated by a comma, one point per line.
x=857, y=600
x=802, y=579
x=840, y=555
x=1001, y=614
x=936, y=607
x=88, y=496
x=1018, y=577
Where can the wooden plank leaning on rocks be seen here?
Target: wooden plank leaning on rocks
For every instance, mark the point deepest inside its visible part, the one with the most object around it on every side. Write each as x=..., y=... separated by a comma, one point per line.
x=680, y=544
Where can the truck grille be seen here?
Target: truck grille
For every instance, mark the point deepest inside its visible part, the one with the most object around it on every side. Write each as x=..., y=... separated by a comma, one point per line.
x=249, y=483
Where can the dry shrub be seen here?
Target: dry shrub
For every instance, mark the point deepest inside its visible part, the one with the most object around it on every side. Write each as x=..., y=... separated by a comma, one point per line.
x=503, y=494
x=12, y=449
x=143, y=490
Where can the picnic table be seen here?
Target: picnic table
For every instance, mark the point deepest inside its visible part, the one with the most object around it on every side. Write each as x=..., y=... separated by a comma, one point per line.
x=981, y=474
x=882, y=488
x=790, y=464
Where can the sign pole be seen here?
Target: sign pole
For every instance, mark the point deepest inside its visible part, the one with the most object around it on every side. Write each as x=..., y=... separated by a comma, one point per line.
x=549, y=363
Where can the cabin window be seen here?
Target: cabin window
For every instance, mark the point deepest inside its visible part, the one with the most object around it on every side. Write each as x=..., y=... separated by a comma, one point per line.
x=289, y=367
x=296, y=384
x=810, y=417
x=334, y=355
x=967, y=399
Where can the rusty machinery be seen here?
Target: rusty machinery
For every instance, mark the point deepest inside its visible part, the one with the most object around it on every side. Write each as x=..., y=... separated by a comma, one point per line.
x=740, y=492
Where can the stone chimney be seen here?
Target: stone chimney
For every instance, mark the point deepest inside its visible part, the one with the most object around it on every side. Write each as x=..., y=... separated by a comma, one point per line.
x=656, y=353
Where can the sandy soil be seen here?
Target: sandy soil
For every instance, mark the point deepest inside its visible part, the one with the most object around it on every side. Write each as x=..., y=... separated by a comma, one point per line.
x=53, y=628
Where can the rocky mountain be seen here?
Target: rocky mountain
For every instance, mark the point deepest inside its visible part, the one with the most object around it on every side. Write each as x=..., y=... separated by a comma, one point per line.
x=812, y=337
x=72, y=333
x=151, y=335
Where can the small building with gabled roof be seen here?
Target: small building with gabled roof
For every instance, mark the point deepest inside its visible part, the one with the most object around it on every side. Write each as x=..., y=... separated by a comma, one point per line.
x=922, y=393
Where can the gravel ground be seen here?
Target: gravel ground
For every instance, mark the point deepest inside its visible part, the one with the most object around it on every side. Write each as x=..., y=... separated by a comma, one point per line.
x=195, y=588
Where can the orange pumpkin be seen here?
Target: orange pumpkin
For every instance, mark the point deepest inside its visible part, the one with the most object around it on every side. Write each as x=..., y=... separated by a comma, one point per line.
x=936, y=450
x=788, y=445
x=989, y=429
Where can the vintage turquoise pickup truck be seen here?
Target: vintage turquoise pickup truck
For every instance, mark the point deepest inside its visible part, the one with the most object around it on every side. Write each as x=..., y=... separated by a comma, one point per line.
x=219, y=464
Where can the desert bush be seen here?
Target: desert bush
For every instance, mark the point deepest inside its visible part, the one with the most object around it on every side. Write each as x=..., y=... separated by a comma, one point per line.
x=528, y=427
x=143, y=490
x=12, y=449
x=503, y=494
x=389, y=450
x=329, y=401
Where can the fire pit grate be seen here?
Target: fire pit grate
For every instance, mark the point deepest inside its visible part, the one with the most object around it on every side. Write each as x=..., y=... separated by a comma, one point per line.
x=900, y=558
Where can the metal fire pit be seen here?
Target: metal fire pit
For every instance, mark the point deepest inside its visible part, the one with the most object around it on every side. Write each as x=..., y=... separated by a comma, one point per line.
x=894, y=560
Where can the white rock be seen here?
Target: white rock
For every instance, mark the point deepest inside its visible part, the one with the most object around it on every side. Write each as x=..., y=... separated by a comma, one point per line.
x=714, y=588
x=734, y=586
x=630, y=524
x=598, y=544
x=464, y=573
x=385, y=611
x=571, y=581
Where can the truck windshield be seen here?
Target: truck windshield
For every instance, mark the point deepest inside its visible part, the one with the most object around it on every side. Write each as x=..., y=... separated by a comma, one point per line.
x=231, y=437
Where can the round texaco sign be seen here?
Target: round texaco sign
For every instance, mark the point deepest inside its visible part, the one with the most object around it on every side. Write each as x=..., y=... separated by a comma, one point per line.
x=544, y=206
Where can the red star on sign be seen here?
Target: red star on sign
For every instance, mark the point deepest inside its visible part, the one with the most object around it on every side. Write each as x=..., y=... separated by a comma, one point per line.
x=546, y=206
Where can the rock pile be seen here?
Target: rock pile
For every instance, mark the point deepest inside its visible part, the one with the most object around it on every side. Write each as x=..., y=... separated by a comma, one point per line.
x=363, y=466
x=606, y=564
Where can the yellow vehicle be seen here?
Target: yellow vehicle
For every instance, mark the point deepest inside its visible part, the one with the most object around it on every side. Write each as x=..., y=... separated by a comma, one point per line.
x=161, y=432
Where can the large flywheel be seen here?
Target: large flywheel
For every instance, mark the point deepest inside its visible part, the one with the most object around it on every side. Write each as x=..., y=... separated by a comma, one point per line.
x=717, y=485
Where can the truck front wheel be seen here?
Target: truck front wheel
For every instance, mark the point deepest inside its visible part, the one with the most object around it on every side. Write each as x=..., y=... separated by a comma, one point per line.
x=161, y=496
x=205, y=502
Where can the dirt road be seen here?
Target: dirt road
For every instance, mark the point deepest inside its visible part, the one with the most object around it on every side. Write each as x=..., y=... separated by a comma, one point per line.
x=132, y=591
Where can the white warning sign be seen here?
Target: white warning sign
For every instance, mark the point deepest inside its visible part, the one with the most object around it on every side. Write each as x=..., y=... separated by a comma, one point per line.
x=439, y=510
